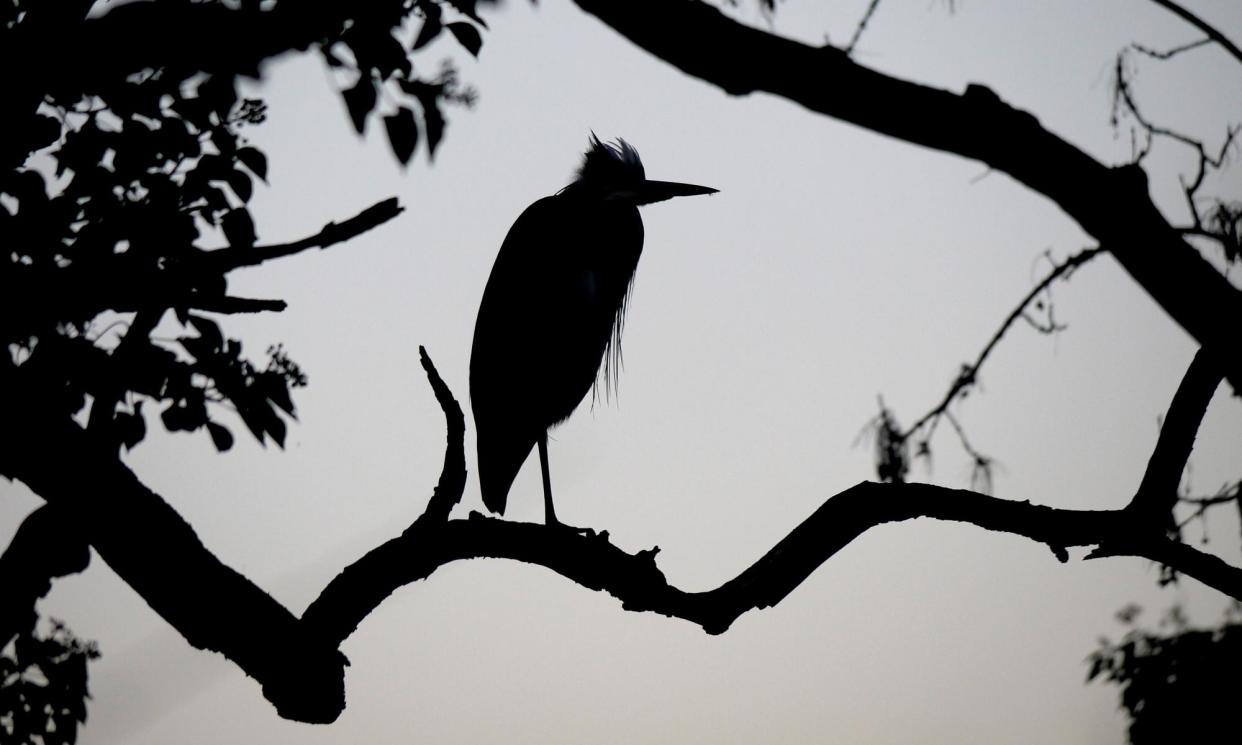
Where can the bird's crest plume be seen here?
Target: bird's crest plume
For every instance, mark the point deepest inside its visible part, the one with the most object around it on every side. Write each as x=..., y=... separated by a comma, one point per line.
x=611, y=162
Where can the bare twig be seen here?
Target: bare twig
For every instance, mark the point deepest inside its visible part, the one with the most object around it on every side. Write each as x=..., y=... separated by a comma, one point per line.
x=1228, y=493
x=1123, y=98
x=862, y=26
x=1202, y=25
x=228, y=259
x=982, y=466
x=230, y=305
x=970, y=372
x=1165, y=54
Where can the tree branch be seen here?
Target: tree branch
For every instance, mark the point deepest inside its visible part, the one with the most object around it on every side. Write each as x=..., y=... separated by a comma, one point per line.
x=297, y=661
x=1202, y=25
x=970, y=372
x=46, y=546
x=1228, y=493
x=595, y=563
x=1165, y=54
x=1111, y=204
x=227, y=259
x=133, y=285
x=1157, y=493
x=160, y=556
x=635, y=580
x=363, y=585
x=862, y=26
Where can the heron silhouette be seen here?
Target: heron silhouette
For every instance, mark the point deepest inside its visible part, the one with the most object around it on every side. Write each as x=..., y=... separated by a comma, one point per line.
x=553, y=310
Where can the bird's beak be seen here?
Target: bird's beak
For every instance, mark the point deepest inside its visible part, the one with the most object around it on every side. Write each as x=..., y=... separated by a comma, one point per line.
x=647, y=192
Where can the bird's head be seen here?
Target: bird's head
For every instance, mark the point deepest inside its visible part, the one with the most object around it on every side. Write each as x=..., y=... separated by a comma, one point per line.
x=613, y=171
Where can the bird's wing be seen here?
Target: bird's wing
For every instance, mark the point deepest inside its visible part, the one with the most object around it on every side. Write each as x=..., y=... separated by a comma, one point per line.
x=513, y=344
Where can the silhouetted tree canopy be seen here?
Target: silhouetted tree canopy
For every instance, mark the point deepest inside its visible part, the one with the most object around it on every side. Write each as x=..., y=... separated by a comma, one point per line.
x=124, y=195
x=123, y=203
x=1179, y=684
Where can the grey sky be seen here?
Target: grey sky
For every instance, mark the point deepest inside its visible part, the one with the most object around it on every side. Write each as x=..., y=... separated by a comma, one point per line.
x=834, y=265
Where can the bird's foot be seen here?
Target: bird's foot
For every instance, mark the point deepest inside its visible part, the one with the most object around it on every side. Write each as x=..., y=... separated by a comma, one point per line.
x=584, y=532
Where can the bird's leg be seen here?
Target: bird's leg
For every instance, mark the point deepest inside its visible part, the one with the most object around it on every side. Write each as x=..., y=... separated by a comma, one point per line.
x=549, y=514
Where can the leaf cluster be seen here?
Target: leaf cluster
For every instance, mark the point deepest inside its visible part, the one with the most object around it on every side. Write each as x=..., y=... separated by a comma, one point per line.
x=1176, y=682
x=43, y=688
x=103, y=221
x=124, y=172
x=373, y=53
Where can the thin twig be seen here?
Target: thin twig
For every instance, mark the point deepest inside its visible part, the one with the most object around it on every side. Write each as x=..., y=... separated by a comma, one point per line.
x=1203, y=26
x=1228, y=493
x=228, y=259
x=1169, y=53
x=862, y=25
x=969, y=373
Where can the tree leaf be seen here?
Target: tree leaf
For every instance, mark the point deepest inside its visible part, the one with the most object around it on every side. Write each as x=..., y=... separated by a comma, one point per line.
x=224, y=140
x=276, y=427
x=402, y=133
x=131, y=428
x=467, y=35
x=238, y=227
x=255, y=160
x=360, y=100
x=44, y=130
x=209, y=330
x=430, y=30
x=467, y=7
x=253, y=422
x=276, y=387
x=433, y=122
x=240, y=182
x=220, y=437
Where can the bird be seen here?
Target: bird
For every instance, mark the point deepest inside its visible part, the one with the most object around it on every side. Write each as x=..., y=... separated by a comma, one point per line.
x=550, y=319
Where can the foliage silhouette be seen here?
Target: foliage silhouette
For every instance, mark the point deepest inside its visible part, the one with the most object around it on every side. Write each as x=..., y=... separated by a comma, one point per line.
x=114, y=175
x=1178, y=685
x=43, y=688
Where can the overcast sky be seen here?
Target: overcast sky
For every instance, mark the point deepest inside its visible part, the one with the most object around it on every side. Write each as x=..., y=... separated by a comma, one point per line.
x=835, y=265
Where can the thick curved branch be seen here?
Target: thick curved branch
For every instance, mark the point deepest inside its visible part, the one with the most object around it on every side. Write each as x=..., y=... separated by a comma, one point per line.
x=297, y=661
x=1157, y=493
x=1111, y=204
x=634, y=579
x=595, y=563
x=362, y=586
x=158, y=554
x=47, y=545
